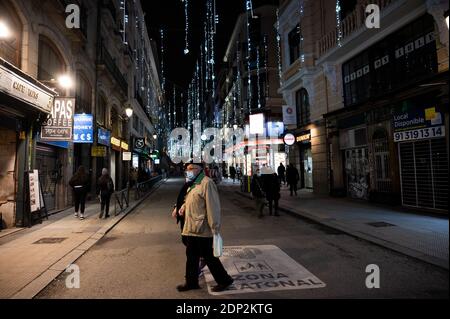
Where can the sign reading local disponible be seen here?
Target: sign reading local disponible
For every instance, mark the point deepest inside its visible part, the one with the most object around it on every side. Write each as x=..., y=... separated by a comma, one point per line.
x=261, y=269
x=83, y=129
x=59, y=123
x=418, y=124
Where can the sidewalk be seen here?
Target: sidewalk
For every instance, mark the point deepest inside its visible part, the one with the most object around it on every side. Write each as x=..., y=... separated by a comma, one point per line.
x=34, y=258
x=420, y=236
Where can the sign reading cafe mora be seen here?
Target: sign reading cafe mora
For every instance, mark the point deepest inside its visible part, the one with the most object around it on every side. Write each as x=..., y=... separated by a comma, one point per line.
x=59, y=123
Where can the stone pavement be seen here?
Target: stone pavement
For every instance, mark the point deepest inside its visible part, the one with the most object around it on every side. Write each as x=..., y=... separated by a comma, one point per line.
x=27, y=267
x=419, y=235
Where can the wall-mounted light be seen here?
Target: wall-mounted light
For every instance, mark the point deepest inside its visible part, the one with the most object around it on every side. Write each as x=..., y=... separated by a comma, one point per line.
x=65, y=81
x=446, y=14
x=129, y=112
x=5, y=32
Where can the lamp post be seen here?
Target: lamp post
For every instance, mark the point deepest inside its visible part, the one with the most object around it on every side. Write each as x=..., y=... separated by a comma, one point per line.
x=129, y=114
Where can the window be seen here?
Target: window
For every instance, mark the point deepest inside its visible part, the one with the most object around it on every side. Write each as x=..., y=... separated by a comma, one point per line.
x=50, y=62
x=303, y=109
x=101, y=111
x=115, y=127
x=405, y=56
x=83, y=95
x=10, y=48
x=294, y=39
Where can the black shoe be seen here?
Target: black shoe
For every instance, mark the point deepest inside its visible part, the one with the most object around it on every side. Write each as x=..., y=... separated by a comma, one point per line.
x=222, y=287
x=186, y=287
x=107, y=216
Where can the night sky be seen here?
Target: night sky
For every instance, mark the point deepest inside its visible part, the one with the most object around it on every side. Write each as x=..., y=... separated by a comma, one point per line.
x=169, y=14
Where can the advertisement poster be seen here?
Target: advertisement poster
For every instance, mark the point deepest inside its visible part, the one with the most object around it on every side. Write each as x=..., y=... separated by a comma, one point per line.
x=83, y=129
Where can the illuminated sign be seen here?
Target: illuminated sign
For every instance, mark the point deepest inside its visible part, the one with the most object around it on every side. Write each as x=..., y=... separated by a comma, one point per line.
x=124, y=146
x=115, y=142
x=59, y=123
x=289, y=139
x=257, y=123
x=303, y=138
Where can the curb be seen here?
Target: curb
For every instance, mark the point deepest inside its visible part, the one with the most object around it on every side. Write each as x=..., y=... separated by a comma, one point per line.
x=52, y=272
x=363, y=236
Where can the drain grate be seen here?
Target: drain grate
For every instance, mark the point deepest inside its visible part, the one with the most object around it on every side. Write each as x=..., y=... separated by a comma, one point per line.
x=50, y=241
x=380, y=224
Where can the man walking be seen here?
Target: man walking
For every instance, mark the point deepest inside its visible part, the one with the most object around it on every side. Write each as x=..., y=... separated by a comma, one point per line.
x=202, y=213
x=292, y=177
x=282, y=174
x=258, y=193
x=272, y=188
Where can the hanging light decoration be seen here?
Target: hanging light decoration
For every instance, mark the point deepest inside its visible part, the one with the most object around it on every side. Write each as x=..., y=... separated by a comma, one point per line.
x=249, y=8
x=186, y=18
x=338, y=23
x=280, y=70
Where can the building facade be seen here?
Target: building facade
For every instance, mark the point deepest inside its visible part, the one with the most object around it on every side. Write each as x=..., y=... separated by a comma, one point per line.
x=381, y=95
x=90, y=64
x=248, y=86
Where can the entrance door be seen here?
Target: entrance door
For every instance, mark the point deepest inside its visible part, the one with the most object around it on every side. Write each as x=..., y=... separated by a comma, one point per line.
x=307, y=168
x=424, y=173
x=46, y=163
x=357, y=171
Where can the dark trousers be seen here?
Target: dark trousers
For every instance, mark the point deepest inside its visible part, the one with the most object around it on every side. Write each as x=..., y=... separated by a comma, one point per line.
x=273, y=203
x=80, y=199
x=203, y=247
x=293, y=188
x=104, y=205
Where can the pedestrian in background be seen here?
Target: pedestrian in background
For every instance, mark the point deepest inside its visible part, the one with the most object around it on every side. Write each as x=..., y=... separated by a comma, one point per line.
x=272, y=189
x=233, y=173
x=258, y=193
x=202, y=220
x=282, y=173
x=292, y=177
x=79, y=183
x=105, y=188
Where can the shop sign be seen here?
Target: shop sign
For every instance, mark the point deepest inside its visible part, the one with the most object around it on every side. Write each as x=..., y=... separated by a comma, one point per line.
x=304, y=138
x=104, y=137
x=126, y=156
x=83, y=132
x=98, y=151
x=257, y=123
x=289, y=139
x=18, y=87
x=139, y=143
x=275, y=129
x=124, y=146
x=289, y=115
x=418, y=124
x=59, y=123
x=115, y=142
x=35, y=198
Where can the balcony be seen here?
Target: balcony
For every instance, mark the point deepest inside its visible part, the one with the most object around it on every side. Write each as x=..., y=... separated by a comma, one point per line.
x=353, y=22
x=110, y=64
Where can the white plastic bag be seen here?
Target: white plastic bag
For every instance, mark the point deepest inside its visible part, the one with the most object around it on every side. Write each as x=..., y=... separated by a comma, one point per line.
x=217, y=245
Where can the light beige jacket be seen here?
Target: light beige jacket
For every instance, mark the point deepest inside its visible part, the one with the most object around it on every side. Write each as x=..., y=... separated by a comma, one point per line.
x=202, y=209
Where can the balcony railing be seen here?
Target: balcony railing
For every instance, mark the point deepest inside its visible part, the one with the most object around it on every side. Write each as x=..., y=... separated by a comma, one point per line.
x=349, y=25
x=106, y=59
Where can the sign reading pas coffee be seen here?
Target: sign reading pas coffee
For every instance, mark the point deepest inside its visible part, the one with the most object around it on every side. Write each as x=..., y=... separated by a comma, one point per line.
x=59, y=123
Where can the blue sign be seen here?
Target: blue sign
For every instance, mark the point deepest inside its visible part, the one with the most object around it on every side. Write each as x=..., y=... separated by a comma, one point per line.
x=104, y=137
x=275, y=129
x=83, y=128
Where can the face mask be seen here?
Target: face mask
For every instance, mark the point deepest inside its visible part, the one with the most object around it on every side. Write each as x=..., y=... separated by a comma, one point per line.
x=190, y=176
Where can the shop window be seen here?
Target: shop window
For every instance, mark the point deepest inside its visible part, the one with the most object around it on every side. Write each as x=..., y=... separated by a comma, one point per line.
x=10, y=47
x=303, y=107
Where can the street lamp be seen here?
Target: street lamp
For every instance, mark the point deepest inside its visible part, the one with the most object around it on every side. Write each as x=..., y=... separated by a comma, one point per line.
x=129, y=112
x=5, y=32
x=155, y=136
